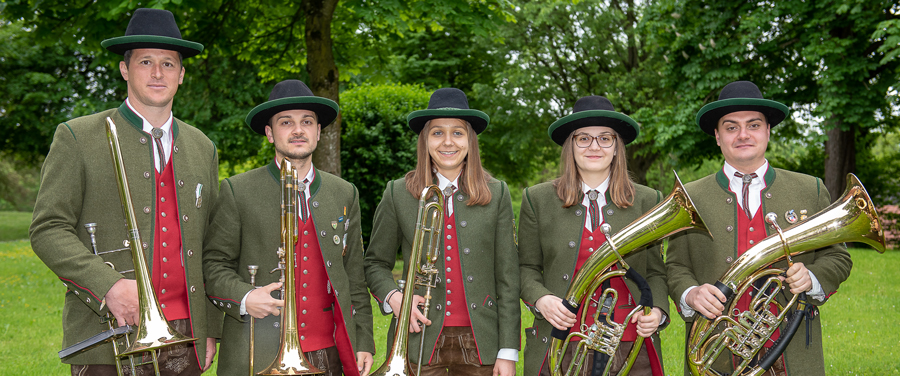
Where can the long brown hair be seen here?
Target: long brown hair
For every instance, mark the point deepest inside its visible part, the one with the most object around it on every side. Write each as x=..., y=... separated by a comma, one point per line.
x=473, y=178
x=568, y=184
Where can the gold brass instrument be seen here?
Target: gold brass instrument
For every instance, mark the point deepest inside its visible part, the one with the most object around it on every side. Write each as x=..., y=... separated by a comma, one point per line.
x=673, y=214
x=852, y=218
x=153, y=331
x=252, y=269
x=427, y=241
x=290, y=359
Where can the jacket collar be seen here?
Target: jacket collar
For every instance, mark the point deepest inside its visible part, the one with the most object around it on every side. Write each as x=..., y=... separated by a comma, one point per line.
x=275, y=173
x=138, y=124
x=723, y=180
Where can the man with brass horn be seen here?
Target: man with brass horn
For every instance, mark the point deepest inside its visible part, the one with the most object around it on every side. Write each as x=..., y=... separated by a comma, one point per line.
x=560, y=228
x=735, y=201
x=474, y=317
x=333, y=310
x=171, y=167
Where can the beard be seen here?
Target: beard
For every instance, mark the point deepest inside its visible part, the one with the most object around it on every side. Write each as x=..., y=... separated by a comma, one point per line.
x=295, y=155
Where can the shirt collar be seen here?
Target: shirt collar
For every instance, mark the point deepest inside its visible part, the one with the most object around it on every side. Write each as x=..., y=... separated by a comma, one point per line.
x=600, y=188
x=443, y=182
x=760, y=172
x=145, y=125
x=310, y=175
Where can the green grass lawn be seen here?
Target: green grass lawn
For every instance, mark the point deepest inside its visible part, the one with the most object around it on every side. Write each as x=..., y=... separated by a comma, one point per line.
x=860, y=321
x=14, y=225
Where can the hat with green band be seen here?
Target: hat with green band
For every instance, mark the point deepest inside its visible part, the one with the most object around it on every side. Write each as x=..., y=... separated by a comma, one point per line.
x=448, y=103
x=594, y=111
x=291, y=95
x=740, y=96
x=152, y=28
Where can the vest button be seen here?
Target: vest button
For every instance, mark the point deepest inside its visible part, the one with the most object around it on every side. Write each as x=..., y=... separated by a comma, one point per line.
x=305, y=258
x=165, y=259
x=303, y=325
x=729, y=228
x=143, y=140
x=162, y=184
x=449, y=247
x=449, y=292
x=146, y=210
x=162, y=199
x=448, y=270
x=305, y=271
x=448, y=258
x=165, y=275
x=163, y=214
x=163, y=291
x=163, y=305
x=751, y=229
x=449, y=227
x=448, y=281
x=751, y=242
x=302, y=338
x=165, y=229
x=449, y=237
x=571, y=244
x=304, y=285
x=578, y=212
x=303, y=312
x=448, y=313
x=590, y=250
x=305, y=245
x=463, y=224
x=304, y=298
x=728, y=200
x=591, y=238
x=305, y=232
x=164, y=244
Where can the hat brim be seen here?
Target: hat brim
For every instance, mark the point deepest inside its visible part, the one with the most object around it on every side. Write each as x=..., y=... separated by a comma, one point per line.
x=417, y=119
x=119, y=45
x=709, y=115
x=624, y=125
x=326, y=110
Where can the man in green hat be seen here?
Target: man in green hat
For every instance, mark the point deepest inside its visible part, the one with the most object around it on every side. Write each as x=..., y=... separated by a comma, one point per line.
x=734, y=202
x=332, y=303
x=171, y=168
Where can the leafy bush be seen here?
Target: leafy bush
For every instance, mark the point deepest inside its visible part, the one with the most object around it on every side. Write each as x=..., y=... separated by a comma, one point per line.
x=376, y=143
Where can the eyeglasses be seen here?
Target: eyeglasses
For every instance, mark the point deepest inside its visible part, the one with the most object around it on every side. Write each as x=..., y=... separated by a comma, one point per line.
x=584, y=140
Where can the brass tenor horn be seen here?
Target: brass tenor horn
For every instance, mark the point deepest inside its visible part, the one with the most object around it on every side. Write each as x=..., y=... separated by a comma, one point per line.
x=290, y=359
x=675, y=213
x=153, y=331
x=427, y=241
x=852, y=218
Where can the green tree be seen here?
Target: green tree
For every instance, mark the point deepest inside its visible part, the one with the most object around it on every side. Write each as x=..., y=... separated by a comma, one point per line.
x=832, y=62
x=377, y=144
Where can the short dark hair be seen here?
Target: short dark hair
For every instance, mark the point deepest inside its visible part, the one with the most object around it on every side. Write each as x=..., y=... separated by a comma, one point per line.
x=127, y=58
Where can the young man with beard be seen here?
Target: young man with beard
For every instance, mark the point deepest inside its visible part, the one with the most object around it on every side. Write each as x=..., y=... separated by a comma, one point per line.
x=333, y=311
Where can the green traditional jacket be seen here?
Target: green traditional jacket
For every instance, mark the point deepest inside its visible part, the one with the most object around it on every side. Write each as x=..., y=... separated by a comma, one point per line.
x=485, y=235
x=549, y=240
x=245, y=230
x=694, y=259
x=78, y=186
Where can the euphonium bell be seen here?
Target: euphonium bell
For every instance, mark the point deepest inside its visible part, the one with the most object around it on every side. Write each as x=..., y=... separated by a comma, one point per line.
x=675, y=213
x=852, y=218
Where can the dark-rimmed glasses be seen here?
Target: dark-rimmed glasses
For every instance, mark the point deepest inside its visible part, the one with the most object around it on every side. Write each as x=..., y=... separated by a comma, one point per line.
x=584, y=140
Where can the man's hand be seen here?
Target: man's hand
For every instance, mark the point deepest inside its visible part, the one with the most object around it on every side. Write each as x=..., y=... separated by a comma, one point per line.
x=707, y=300
x=364, y=362
x=396, y=301
x=260, y=302
x=555, y=312
x=210, y=353
x=647, y=324
x=122, y=300
x=798, y=278
x=504, y=367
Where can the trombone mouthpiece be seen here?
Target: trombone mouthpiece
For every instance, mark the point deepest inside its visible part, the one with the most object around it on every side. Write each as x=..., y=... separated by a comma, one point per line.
x=91, y=228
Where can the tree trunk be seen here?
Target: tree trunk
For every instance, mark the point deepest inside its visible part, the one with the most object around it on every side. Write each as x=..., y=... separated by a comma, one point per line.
x=840, y=158
x=323, y=78
x=639, y=164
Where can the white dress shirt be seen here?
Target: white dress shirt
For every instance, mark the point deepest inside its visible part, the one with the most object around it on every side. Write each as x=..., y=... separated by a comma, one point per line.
x=166, y=139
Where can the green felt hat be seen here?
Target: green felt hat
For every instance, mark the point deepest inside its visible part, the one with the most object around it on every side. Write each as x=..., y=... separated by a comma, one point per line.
x=740, y=96
x=448, y=103
x=291, y=95
x=152, y=28
x=594, y=111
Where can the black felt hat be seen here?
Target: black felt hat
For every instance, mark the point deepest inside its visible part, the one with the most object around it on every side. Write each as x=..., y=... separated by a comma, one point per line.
x=152, y=28
x=291, y=95
x=448, y=103
x=594, y=111
x=740, y=96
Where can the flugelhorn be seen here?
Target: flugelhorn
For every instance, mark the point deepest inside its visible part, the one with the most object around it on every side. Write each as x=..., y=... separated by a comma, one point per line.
x=852, y=218
x=673, y=214
x=427, y=242
x=290, y=359
x=153, y=331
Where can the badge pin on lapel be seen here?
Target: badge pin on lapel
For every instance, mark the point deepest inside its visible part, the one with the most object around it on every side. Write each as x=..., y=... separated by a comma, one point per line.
x=197, y=193
x=334, y=224
x=802, y=214
x=790, y=216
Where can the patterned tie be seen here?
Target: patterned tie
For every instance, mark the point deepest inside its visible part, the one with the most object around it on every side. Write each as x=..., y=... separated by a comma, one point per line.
x=304, y=212
x=157, y=139
x=745, y=192
x=594, y=209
